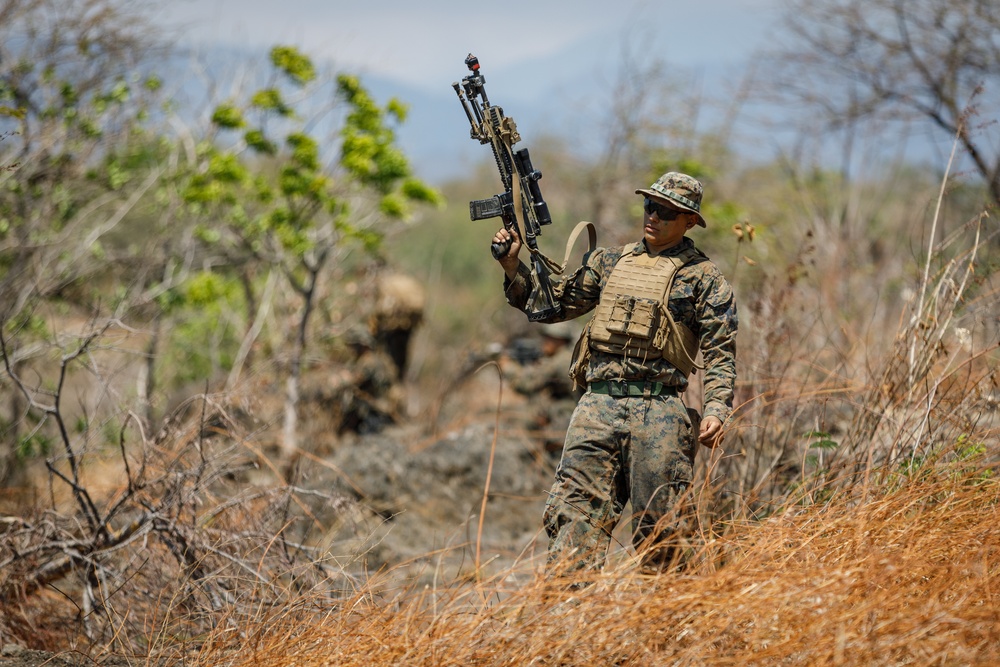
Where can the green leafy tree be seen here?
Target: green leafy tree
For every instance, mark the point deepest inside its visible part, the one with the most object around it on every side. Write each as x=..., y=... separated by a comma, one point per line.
x=68, y=77
x=71, y=96
x=274, y=201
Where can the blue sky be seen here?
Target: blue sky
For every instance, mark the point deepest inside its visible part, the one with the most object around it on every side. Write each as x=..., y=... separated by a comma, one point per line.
x=536, y=54
x=419, y=42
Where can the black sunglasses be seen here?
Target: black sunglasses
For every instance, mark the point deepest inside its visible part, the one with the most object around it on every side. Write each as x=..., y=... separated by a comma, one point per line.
x=664, y=213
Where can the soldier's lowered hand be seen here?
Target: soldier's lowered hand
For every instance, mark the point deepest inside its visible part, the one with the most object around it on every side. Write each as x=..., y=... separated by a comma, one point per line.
x=711, y=431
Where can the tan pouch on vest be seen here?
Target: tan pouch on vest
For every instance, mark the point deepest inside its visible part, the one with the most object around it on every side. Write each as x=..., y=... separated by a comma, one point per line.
x=681, y=348
x=581, y=357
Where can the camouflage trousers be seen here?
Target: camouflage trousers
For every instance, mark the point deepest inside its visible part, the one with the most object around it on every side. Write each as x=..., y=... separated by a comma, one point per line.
x=619, y=449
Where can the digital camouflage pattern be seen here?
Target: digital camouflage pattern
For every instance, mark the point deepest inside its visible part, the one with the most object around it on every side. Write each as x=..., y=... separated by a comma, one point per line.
x=680, y=190
x=369, y=398
x=617, y=447
x=700, y=298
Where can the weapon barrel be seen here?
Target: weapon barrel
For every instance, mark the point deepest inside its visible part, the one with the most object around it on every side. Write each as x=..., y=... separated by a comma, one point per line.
x=465, y=106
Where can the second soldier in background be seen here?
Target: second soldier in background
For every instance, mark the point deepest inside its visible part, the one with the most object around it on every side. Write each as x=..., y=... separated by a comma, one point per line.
x=545, y=380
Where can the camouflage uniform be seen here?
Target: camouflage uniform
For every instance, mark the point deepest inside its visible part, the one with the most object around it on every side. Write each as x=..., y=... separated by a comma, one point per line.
x=368, y=400
x=398, y=311
x=634, y=447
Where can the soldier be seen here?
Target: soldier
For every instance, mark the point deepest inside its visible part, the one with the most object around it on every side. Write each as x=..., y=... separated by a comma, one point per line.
x=398, y=311
x=546, y=381
x=367, y=387
x=657, y=302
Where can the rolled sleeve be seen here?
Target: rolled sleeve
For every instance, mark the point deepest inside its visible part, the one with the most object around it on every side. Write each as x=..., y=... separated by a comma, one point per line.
x=518, y=290
x=719, y=324
x=577, y=293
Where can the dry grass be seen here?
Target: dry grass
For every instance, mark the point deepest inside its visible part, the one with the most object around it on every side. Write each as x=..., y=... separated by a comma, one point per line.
x=878, y=546
x=901, y=574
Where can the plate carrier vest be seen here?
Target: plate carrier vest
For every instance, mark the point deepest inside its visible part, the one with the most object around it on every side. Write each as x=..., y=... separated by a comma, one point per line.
x=632, y=318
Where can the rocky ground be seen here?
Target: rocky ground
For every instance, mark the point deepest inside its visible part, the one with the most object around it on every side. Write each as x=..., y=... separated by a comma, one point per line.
x=423, y=496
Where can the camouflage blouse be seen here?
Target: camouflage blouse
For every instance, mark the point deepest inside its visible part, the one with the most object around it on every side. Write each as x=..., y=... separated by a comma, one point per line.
x=700, y=298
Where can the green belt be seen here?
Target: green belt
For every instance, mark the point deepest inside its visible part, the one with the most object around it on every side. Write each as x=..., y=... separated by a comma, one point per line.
x=631, y=388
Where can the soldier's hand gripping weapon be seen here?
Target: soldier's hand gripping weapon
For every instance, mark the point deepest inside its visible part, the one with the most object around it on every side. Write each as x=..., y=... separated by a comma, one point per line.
x=520, y=204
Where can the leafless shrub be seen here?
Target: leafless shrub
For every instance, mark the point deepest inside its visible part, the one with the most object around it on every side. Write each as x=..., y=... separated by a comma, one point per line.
x=167, y=534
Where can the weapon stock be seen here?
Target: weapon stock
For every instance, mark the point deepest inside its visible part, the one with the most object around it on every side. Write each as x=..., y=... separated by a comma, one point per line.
x=522, y=197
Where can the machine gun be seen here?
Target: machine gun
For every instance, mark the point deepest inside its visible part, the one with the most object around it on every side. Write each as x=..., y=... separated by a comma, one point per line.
x=521, y=199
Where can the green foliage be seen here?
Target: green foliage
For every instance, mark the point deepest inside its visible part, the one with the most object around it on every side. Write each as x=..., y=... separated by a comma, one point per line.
x=118, y=94
x=302, y=198
x=228, y=116
x=270, y=99
x=820, y=440
x=200, y=346
x=34, y=445
x=207, y=333
x=27, y=322
x=968, y=450
x=418, y=191
x=369, y=152
x=392, y=206
x=12, y=112
x=965, y=460
x=81, y=136
x=258, y=142
x=397, y=109
x=970, y=457
x=205, y=289
x=305, y=151
x=724, y=214
x=227, y=168
x=276, y=206
x=143, y=153
x=296, y=66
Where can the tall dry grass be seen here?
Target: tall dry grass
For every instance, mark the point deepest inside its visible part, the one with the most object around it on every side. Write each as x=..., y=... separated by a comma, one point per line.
x=902, y=573
x=850, y=519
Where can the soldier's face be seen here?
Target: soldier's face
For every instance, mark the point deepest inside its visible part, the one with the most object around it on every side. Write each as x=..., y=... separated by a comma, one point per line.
x=661, y=234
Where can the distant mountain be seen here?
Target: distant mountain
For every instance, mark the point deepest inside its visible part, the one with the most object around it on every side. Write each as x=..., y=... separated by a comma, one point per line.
x=541, y=96
x=544, y=97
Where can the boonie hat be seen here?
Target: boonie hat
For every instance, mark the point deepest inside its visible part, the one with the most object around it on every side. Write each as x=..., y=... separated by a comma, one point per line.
x=680, y=190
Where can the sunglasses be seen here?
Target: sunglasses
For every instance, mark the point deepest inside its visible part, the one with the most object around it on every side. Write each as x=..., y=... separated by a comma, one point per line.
x=664, y=213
